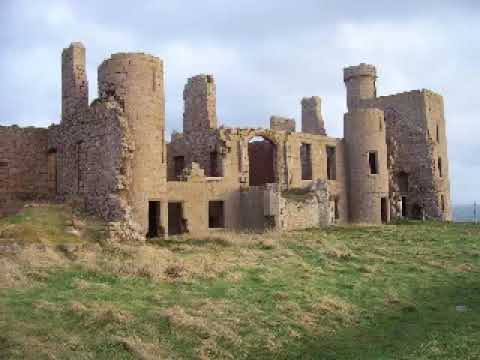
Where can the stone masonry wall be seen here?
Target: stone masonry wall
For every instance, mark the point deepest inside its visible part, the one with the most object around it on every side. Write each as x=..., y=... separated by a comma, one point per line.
x=91, y=160
x=199, y=104
x=282, y=124
x=312, y=121
x=412, y=149
x=23, y=166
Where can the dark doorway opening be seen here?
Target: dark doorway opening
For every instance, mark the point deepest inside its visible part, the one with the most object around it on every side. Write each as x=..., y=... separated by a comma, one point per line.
x=404, y=206
x=179, y=165
x=417, y=212
x=331, y=163
x=336, y=212
x=216, y=217
x=261, y=154
x=384, y=209
x=306, y=161
x=176, y=223
x=154, y=222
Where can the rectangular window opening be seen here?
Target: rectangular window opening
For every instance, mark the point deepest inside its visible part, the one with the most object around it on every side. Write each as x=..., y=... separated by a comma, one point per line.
x=331, y=163
x=216, y=218
x=306, y=161
x=154, y=220
x=440, y=170
x=215, y=165
x=176, y=223
x=179, y=165
x=442, y=202
x=373, y=162
x=438, y=134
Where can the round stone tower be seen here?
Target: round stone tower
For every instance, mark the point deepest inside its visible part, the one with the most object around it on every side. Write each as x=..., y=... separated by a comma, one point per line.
x=360, y=83
x=135, y=81
x=367, y=163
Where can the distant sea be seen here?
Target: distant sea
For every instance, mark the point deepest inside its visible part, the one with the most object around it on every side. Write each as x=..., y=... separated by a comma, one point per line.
x=464, y=213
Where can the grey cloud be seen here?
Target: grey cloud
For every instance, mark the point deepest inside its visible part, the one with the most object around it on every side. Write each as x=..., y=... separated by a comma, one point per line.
x=265, y=56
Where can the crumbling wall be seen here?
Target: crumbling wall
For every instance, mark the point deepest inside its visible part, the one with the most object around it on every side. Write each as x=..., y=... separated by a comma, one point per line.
x=199, y=98
x=298, y=208
x=312, y=121
x=91, y=160
x=23, y=166
x=410, y=120
x=282, y=124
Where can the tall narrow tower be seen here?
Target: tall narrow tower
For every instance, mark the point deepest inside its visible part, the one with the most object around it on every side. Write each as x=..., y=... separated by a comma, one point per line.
x=74, y=82
x=135, y=81
x=199, y=104
x=312, y=121
x=360, y=82
x=367, y=165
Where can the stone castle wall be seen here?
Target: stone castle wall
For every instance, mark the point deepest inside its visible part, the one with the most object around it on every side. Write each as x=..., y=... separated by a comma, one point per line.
x=410, y=120
x=111, y=156
x=365, y=139
x=24, y=170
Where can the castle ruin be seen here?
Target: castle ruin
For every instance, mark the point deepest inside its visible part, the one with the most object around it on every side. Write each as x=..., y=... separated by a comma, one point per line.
x=110, y=157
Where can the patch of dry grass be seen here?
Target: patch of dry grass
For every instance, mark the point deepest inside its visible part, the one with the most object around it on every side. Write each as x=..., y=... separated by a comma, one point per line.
x=140, y=349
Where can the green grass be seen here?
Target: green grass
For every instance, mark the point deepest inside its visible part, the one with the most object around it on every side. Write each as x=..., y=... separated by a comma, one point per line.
x=49, y=223
x=409, y=291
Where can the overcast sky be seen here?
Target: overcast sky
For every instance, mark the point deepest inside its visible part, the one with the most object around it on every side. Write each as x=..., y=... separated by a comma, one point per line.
x=265, y=56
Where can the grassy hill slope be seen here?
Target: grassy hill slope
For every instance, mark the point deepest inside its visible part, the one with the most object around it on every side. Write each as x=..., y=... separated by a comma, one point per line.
x=409, y=291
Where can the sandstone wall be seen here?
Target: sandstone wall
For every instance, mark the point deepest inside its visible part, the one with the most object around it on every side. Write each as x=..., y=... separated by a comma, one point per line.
x=199, y=98
x=298, y=208
x=411, y=119
x=365, y=137
x=24, y=171
x=135, y=82
x=91, y=158
x=312, y=121
x=282, y=123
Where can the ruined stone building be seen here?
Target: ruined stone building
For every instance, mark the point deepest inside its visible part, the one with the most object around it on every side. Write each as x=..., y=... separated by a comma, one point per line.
x=111, y=157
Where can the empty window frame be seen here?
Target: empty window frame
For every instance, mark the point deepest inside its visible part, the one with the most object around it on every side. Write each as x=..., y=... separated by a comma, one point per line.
x=439, y=165
x=331, y=163
x=216, y=218
x=306, y=161
x=178, y=165
x=373, y=162
x=215, y=165
x=442, y=202
x=438, y=134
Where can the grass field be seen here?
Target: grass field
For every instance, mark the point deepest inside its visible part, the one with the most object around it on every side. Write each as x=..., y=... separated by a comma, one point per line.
x=406, y=291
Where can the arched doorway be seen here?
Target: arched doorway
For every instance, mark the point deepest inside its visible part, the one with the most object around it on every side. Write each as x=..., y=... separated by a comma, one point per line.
x=261, y=155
